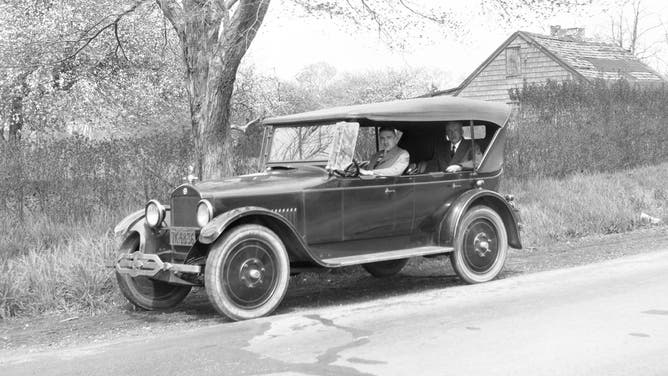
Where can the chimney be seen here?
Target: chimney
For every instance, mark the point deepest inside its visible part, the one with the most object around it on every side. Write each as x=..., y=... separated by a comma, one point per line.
x=571, y=33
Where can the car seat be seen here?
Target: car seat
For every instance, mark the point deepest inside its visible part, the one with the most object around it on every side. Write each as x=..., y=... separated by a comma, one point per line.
x=416, y=168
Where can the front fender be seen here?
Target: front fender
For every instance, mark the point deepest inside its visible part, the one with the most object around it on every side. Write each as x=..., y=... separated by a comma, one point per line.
x=126, y=223
x=450, y=221
x=294, y=242
x=212, y=230
x=150, y=240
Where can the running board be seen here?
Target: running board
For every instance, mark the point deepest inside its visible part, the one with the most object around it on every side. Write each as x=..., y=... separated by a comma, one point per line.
x=384, y=256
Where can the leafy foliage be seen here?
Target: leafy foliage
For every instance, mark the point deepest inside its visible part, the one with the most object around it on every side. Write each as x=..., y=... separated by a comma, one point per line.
x=62, y=73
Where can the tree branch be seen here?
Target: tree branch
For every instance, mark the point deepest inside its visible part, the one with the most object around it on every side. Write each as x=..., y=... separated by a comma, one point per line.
x=119, y=45
x=426, y=16
x=173, y=11
x=88, y=40
x=376, y=18
x=114, y=23
x=244, y=25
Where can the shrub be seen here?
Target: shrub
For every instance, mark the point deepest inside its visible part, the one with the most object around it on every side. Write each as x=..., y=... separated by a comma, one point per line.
x=569, y=127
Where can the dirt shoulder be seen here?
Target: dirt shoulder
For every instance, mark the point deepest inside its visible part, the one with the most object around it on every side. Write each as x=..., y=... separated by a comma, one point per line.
x=310, y=290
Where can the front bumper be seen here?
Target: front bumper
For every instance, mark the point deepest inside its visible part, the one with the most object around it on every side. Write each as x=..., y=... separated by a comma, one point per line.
x=138, y=264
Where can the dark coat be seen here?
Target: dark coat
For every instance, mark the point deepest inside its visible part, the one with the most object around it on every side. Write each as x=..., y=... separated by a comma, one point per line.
x=463, y=157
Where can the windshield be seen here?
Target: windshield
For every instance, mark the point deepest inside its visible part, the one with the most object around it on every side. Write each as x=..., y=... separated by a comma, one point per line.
x=313, y=143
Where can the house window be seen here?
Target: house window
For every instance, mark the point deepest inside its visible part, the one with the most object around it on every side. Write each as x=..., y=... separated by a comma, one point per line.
x=513, y=62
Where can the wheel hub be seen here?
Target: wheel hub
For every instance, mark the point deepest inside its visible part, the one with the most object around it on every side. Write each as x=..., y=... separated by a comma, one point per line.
x=252, y=272
x=481, y=244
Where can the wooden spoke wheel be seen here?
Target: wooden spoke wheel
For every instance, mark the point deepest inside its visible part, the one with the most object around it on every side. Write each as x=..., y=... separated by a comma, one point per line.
x=481, y=245
x=247, y=272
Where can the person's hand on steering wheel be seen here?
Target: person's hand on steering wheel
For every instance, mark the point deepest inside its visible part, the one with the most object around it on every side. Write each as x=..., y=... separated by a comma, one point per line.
x=352, y=170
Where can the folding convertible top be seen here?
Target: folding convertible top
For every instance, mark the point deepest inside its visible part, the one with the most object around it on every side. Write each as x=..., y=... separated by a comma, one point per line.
x=441, y=108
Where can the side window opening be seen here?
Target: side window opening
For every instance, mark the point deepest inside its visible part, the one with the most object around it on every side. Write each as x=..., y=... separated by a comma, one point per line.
x=420, y=141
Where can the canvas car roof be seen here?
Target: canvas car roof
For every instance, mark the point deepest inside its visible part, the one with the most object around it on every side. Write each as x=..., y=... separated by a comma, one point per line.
x=442, y=108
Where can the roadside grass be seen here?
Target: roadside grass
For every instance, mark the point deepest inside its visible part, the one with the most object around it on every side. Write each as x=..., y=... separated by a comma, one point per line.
x=555, y=209
x=49, y=266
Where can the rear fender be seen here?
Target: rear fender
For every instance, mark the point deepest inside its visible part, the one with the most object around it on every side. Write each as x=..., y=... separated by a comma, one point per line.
x=450, y=221
x=294, y=243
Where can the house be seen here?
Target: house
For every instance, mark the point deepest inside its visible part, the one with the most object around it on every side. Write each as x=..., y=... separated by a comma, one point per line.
x=564, y=55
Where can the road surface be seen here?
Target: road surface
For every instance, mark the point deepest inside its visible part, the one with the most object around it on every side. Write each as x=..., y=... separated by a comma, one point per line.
x=609, y=318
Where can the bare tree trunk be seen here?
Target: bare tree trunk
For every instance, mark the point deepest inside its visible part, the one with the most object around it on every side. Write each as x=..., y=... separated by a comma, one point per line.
x=634, y=31
x=620, y=31
x=214, y=39
x=16, y=113
x=16, y=117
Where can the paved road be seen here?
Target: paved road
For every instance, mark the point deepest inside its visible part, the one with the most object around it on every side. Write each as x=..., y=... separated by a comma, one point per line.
x=603, y=319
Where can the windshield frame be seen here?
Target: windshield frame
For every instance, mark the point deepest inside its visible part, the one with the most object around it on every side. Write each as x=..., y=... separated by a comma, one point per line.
x=270, y=135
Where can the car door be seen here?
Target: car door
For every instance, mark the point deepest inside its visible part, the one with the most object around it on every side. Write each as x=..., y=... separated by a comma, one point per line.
x=432, y=192
x=403, y=201
x=377, y=207
x=323, y=213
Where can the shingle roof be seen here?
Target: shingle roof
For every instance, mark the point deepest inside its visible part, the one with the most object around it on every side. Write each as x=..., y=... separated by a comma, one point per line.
x=585, y=60
x=596, y=60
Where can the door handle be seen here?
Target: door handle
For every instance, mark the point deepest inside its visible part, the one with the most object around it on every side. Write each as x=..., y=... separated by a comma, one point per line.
x=388, y=191
x=456, y=185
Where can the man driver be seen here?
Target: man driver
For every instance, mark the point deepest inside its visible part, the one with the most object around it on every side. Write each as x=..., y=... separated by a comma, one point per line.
x=390, y=160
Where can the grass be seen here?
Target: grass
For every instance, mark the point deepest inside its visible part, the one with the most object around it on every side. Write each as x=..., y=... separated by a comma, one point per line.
x=52, y=266
x=585, y=204
x=68, y=277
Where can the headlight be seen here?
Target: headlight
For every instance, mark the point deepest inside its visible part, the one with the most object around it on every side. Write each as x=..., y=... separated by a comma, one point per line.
x=155, y=213
x=204, y=213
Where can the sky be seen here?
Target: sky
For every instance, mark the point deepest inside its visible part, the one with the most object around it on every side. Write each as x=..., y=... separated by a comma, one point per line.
x=290, y=40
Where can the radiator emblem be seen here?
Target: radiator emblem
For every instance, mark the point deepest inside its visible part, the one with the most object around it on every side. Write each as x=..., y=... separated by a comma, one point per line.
x=185, y=191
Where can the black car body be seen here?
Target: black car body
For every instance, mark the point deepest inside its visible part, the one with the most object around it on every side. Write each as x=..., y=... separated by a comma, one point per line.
x=242, y=237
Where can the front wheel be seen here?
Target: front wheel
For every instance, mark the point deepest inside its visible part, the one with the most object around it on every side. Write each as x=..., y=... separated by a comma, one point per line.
x=148, y=293
x=247, y=272
x=481, y=245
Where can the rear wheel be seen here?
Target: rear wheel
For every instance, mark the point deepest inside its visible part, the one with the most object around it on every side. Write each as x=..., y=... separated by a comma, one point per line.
x=388, y=268
x=247, y=272
x=148, y=293
x=481, y=245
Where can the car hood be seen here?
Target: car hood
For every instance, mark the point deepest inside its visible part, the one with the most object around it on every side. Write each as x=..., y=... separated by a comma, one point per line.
x=274, y=181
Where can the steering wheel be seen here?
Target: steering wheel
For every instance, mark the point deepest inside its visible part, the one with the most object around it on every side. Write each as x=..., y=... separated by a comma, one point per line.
x=351, y=171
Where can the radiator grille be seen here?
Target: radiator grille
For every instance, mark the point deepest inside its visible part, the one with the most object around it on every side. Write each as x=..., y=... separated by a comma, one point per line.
x=184, y=211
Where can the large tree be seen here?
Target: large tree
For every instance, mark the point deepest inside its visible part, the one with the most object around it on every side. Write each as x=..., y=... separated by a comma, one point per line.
x=214, y=36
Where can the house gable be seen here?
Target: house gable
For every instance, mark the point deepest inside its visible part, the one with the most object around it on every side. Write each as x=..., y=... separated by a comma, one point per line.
x=535, y=58
x=493, y=78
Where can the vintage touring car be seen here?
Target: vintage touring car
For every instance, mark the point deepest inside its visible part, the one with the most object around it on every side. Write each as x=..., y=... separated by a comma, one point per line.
x=310, y=208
